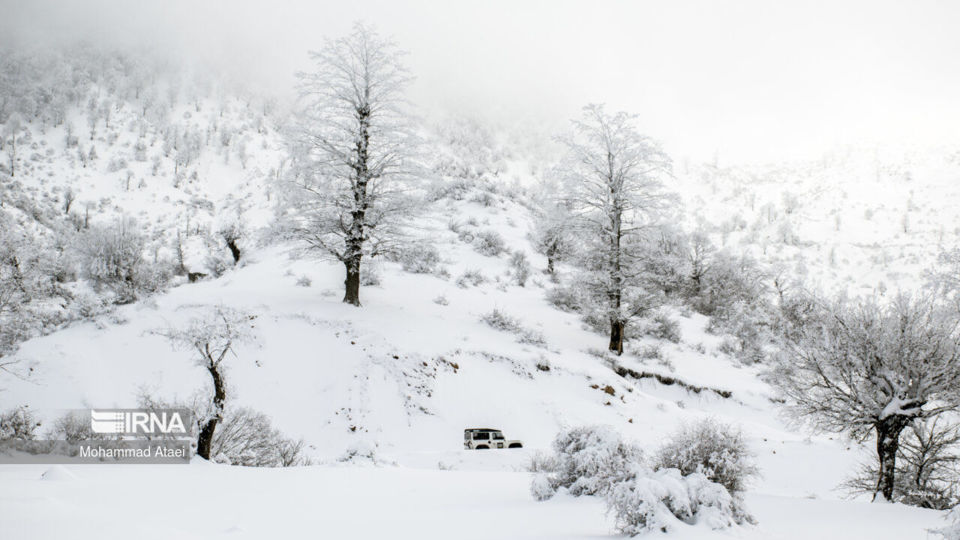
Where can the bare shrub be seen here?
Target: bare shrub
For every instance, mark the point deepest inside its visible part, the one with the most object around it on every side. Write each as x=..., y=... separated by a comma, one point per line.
x=520, y=268
x=490, y=243
x=74, y=427
x=419, y=258
x=664, y=327
x=565, y=298
x=247, y=437
x=370, y=276
x=501, y=321
x=471, y=278
x=112, y=257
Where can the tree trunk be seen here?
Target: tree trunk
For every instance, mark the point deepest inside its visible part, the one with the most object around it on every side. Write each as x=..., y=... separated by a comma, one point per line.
x=234, y=250
x=205, y=440
x=352, y=282
x=552, y=250
x=354, y=248
x=888, y=442
x=616, y=336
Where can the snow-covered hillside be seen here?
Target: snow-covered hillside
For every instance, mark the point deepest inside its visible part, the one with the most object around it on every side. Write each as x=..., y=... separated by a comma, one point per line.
x=449, y=336
x=860, y=221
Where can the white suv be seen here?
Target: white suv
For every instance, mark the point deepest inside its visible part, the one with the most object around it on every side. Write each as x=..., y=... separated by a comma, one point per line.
x=485, y=439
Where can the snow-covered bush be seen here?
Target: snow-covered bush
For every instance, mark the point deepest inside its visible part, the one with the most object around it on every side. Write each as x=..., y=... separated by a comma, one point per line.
x=74, y=427
x=716, y=450
x=664, y=327
x=501, y=321
x=727, y=281
x=247, y=437
x=589, y=460
x=369, y=275
x=520, y=268
x=490, y=243
x=713, y=448
x=471, y=278
x=666, y=259
x=418, y=258
x=658, y=501
x=542, y=462
x=113, y=257
x=542, y=487
x=360, y=451
x=217, y=263
x=18, y=424
x=565, y=298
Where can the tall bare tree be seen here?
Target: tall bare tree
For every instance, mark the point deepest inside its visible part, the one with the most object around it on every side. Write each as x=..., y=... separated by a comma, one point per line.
x=874, y=368
x=615, y=177
x=355, y=151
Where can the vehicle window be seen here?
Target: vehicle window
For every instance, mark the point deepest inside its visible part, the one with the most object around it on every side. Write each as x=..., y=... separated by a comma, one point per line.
x=498, y=436
x=466, y=435
x=481, y=436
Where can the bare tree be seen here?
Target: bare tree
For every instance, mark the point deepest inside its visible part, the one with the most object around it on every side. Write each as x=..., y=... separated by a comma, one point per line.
x=615, y=180
x=113, y=257
x=927, y=470
x=212, y=336
x=874, y=368
x=11, y=129
x=354, y=151
x=944, y=278
x=552, y=230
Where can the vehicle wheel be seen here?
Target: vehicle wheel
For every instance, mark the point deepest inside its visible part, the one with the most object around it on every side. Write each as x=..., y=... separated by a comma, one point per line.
x=483, y=447
x=516, y=445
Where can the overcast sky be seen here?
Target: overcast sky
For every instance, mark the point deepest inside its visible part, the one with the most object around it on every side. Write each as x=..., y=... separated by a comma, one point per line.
x=748, y=79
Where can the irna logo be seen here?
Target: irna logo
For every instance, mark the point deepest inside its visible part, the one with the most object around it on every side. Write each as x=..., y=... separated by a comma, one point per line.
x=140, y=422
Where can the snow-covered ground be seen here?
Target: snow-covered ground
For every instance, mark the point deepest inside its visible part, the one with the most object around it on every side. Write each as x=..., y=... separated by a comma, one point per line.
x=204, y=501
x=402, y=377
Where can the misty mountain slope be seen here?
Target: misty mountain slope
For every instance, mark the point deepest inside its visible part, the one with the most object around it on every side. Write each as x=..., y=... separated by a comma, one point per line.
x=401, y=377
x=207, y=163
x=861, y=220
x=409, y=375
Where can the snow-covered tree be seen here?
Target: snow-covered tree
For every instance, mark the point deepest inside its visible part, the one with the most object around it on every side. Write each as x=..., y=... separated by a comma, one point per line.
x=113, y=257
x=354, y=148
x=874, y=368
x=614, y=178
x=212, y=336
x=927, y=473
x=552, y=230
x=10, y=138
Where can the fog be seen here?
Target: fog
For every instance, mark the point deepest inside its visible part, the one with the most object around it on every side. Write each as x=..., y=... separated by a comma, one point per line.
x=743, y=80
